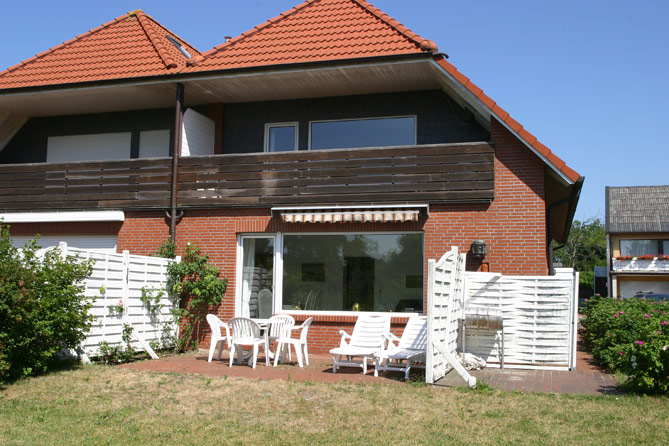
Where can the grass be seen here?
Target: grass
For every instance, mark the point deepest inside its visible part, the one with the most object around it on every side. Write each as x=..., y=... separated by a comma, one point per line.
x=109, y=405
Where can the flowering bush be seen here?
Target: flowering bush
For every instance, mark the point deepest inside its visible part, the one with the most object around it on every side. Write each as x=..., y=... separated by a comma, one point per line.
x=630, y=336
x=116, y=309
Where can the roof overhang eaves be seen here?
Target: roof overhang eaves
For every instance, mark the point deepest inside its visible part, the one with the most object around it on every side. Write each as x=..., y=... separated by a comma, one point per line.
x=211, y=74
x=487, y=108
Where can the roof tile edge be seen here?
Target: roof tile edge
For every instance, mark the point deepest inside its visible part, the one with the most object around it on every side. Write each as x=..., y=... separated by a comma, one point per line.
x=504, y=117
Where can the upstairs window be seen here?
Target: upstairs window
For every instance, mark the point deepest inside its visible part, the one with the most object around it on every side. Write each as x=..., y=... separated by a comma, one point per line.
x=281, y=137
x=354, y=133
x=636, y=248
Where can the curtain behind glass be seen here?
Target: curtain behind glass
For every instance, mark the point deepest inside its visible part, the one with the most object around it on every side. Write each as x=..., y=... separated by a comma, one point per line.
x=248, y=250
x=637, y=248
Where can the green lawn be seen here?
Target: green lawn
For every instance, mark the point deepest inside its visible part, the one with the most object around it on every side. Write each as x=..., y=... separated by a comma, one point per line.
x=107, y=405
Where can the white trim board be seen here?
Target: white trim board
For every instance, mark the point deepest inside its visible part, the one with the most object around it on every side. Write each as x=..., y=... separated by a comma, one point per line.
x=58, y=217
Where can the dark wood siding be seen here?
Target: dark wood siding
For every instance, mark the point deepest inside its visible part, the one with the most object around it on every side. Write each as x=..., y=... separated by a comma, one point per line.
x=439, y=118
x=29, y=144
x=434, y=173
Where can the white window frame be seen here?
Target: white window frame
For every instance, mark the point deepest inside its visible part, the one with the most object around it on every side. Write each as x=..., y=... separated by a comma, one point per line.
x=271, y=125
x=277, y=280
x=415, y=127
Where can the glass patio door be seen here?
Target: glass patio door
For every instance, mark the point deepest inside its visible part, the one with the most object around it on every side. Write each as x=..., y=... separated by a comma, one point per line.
x=257, y=281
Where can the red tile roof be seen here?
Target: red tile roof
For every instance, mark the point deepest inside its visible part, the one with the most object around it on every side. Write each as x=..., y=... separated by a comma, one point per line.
x=317, y=30
x=505, y=118
x=133, y=45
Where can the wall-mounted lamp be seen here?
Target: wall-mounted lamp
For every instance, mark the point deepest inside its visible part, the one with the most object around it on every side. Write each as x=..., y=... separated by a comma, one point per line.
x=479, y=248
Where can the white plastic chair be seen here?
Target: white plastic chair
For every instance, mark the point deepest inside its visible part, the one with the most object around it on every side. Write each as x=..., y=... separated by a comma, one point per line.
x=410, y=348
x=278, y=324
x=246, y=332
x=300, y=345
x=217, y=336
x=368, y=337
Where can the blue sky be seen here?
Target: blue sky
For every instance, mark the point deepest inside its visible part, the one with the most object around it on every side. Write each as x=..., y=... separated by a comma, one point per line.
x=589, y=78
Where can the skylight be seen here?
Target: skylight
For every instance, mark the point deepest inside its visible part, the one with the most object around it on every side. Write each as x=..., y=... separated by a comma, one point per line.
x=178, y=46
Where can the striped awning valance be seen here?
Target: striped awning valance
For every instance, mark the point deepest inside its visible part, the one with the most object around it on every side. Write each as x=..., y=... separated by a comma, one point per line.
x=353, y=214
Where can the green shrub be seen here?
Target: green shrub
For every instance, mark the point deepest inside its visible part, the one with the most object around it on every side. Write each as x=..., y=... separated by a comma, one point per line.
x=42, y=307
x=630, y=336
x=195, y=285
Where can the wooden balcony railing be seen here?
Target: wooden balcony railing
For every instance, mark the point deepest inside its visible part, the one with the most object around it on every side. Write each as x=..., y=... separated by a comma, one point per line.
x=431, y=173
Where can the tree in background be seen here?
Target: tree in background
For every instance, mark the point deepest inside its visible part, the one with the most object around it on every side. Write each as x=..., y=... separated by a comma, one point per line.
x=585, y=249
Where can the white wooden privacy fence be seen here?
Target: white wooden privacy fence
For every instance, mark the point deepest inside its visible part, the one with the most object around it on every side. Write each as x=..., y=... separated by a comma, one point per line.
x=116, y=282
x=539, y=317
x=445, y=296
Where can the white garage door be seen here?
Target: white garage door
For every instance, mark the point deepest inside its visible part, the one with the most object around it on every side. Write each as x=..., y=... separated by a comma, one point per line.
x=105, y=243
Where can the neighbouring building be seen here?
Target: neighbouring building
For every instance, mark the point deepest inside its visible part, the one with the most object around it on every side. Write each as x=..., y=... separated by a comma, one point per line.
x=319, y=159
x=637, y=236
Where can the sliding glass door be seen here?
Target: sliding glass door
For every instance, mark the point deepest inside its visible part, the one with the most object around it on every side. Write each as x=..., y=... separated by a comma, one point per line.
x=257, y=277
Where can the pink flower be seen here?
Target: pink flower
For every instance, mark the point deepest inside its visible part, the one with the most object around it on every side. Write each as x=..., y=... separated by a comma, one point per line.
x=620, y=353
x=640, y=342
x=663, y=323
x=645, y=316
x=659, y=332
x=622, y=312
x=615, y=315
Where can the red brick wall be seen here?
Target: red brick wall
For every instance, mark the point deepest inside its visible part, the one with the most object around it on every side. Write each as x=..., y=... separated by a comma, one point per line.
x=513, y=226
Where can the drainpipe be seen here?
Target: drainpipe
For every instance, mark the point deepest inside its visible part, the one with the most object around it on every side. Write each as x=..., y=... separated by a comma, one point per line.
x=176, y=154
x=576, y=192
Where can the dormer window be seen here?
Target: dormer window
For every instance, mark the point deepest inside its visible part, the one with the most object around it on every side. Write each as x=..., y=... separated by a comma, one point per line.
x=179, y=46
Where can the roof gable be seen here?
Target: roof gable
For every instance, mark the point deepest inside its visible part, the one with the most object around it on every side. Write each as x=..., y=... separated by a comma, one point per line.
x=133, y=45
x=637, y=209
x=317, y=30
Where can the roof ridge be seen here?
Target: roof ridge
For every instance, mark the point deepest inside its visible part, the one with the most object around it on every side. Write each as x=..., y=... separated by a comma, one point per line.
x=256, y=28
x=68, y=42
x=145, y=23
x=422, y=43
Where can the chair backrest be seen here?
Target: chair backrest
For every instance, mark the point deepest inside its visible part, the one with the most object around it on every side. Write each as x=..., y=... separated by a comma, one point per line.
x=244, y=330
x=414, y=336
x=280, y=325
x=305, y=330
x=369, y=330
x=215, y=324
x=264, y=303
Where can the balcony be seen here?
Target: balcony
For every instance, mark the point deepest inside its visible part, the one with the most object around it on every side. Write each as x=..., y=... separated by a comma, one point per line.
x=443, y=173
x=640, y=266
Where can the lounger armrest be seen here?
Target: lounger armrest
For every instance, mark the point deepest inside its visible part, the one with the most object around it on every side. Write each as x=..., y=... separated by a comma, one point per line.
x=344, y=335
x=389, y=338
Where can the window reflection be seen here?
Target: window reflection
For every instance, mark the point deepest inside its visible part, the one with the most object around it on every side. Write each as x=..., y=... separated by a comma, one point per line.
x=378, y=132
x=353, y=272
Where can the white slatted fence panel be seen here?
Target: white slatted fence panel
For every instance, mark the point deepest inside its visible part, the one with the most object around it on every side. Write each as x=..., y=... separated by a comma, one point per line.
x=538, y=313
x=445, y=296
x=122, y=276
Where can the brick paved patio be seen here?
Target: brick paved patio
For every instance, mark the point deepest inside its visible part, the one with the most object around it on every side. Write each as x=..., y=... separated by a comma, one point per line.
x=587, y=379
